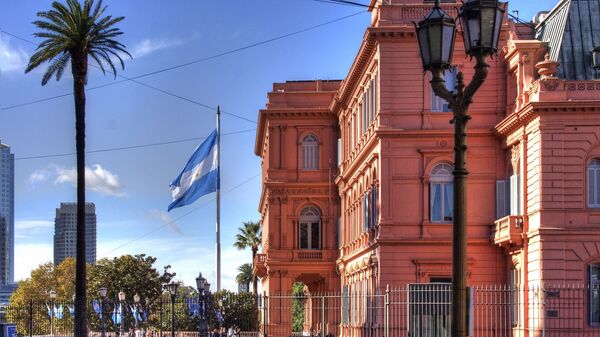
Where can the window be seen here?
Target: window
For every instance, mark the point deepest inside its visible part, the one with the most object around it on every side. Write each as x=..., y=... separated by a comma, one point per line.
x=310, y=153
x=594, y=184
x=594, y=294
x=441, y=193
x=438, y=104
x=309, y=228
x=502, y=199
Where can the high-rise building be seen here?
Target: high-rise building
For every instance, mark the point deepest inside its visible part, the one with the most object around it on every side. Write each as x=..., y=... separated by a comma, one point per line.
x=7, y=215
x=65, y=232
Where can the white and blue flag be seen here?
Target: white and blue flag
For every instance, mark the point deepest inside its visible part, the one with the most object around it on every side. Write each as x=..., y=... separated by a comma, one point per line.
x=200, y=175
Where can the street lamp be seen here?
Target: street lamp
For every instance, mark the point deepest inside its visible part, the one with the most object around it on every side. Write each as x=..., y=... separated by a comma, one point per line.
x=102, y=292
x=121, y=301
x=481, y=21
x=203, y=289
x=136, y=304
x=596, y=57
x=172, y=287
x=52, y=299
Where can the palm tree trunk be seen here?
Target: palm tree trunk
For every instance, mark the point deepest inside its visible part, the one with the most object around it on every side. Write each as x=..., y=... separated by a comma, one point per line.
x=79, y=69
x=254, y=285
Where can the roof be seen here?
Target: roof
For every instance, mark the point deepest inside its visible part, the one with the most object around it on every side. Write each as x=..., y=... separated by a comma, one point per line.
x=572, y=31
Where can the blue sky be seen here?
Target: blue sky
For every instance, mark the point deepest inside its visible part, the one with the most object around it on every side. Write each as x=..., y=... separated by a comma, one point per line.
x=130, y=186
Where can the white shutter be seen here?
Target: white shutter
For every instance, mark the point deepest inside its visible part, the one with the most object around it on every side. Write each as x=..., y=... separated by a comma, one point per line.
x=339, y=151
x=501, y=199
x=514, y=194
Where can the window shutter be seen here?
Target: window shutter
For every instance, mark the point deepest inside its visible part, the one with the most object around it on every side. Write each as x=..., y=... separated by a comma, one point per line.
x=501, y=199
x=339, y=151
x=514, y=195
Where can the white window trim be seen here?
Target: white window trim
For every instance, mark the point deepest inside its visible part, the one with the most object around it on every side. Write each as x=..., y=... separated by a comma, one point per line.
x=442, y=179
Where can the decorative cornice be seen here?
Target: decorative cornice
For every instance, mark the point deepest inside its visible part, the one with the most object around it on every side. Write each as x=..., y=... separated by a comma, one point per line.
x=365, y=53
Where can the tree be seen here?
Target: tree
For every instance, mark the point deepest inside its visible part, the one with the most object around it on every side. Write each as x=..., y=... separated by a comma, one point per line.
x=245, y=275
x=298, y=303
x=72, y=33
x=249, y=236
x=35, y=291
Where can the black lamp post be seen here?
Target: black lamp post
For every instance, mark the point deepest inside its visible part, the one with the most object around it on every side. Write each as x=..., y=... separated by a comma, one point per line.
x=102, y=292
x=481, y=21
x=172, y=287
x=136, y=301
x=52, y=313
x=121, y=302
x=203, y=289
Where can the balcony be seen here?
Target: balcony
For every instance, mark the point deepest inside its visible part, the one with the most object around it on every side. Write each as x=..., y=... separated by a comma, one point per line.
x=259, y=267
x=508, y=231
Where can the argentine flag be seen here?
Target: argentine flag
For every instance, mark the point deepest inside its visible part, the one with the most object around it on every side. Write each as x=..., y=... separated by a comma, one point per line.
x=200, y=175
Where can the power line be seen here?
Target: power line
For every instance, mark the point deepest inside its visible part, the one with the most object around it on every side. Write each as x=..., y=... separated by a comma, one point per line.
x=346, y=3
x=131, y=147
x=125, y=80
x=204, y=59
x=182, y=216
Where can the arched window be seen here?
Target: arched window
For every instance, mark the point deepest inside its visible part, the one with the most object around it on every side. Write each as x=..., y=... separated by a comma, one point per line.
x=309, y=228
x=310, y=153
x=441, y=193
x=594, y=183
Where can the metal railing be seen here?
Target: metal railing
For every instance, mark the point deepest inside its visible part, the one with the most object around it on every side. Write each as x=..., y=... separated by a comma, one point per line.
x=55, y=318
x=415, y=310
x=424, y=310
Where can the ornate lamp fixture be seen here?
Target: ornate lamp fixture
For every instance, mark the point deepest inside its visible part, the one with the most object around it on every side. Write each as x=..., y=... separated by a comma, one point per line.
x=436, y=38
x=481, y=21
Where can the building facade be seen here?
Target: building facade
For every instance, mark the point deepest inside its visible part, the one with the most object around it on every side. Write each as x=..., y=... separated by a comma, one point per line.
x=381, y=191
x=65, y=232
x=7, y=215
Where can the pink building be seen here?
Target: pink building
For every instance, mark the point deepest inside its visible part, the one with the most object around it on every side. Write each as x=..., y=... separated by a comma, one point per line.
x=357, y=174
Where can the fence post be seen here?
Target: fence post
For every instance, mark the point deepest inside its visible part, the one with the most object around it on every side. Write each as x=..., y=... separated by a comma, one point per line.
x=30, y=317
x=266, y=309
x=386, y=312
x=323, y=316
x=160, y=311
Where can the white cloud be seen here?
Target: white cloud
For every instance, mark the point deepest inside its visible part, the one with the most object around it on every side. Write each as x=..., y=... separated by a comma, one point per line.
x=32, y=224
x=97, y=179
x=163, y=216
x=30, y=256
x=11, y=58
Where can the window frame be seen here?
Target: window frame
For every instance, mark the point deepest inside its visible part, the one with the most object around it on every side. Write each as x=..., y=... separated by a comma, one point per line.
x=442, y=180
x=438, y=104
x=593, y=172
x=310, y=216
x=310, y=152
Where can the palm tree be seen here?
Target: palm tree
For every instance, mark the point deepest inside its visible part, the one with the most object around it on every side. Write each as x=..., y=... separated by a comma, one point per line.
x=245, y=275
x=72, y=33
x=249, y=236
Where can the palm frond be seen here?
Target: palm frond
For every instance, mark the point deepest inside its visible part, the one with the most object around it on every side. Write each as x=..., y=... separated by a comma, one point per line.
x=80, y=30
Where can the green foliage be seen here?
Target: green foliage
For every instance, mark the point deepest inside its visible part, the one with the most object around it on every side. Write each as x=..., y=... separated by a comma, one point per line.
x=239, y=310
x=130, y=274
x=35, y=291
x=245, y=275
x=298, y=301
x=71, y=33
x=249, y=236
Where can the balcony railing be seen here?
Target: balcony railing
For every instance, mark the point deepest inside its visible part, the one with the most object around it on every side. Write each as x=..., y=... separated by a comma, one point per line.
x=309, y=255
x=508, y=231
x=259, y=267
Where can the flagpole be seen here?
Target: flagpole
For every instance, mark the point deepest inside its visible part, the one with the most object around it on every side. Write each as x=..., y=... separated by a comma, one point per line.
x=218, y=229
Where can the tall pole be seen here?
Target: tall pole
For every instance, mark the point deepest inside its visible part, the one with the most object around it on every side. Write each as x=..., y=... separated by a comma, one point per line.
x=460, y=102
x=218, y=229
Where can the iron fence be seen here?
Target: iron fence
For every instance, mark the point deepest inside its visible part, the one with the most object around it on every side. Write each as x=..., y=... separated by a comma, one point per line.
x=416, y=310
x=425, y=310
x=188, y=317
